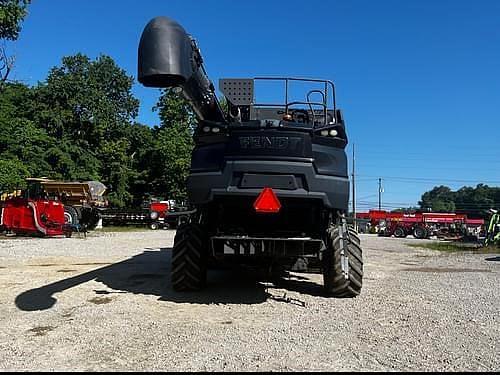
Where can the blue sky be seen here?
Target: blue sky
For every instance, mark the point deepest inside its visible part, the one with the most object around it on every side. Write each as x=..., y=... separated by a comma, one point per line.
x=418, y=81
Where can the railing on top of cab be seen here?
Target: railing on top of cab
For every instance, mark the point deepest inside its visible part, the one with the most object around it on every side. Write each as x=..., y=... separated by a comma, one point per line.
x=287, y=104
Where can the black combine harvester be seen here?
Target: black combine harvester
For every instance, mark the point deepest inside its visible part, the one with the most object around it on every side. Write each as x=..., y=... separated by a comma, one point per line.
x=269, y=181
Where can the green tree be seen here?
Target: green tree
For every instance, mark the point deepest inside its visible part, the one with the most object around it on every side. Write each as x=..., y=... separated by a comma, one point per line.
x=476, y=200
x=171, y=155
x=142, y=142
x=439, y=199
x=12, y=13
x=12, y=175
x=88, y=106
x=20, y=137
x=480, y=198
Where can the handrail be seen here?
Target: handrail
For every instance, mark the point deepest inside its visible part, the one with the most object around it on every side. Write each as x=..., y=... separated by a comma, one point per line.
x=286, y=104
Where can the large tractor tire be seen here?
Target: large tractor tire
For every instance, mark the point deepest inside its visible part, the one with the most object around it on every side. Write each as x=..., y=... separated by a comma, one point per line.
x=420, y=232
x=189, y=258
x=70, y=215
x=342, y=263
x=354, y=236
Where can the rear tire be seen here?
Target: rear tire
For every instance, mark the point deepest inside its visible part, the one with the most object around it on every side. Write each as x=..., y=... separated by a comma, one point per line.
x=419, y=232
x=354, y=235
x=90, y=217
x=70, y=215
x=189, y=258
x=399, y=232
x=342, y=265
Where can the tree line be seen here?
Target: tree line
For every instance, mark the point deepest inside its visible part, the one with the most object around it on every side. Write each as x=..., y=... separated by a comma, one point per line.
x=474, y=200
x=79, y=124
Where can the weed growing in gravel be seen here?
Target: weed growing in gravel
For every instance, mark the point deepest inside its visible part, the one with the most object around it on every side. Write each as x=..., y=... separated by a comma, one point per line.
x=457, y=247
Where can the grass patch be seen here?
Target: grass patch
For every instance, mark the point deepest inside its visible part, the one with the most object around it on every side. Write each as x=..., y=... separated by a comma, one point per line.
x=453, y=247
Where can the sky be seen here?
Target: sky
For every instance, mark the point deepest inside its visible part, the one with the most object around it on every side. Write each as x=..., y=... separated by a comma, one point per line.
x=418, y=81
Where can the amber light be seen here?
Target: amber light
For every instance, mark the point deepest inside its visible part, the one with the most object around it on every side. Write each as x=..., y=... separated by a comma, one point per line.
x=267, y=202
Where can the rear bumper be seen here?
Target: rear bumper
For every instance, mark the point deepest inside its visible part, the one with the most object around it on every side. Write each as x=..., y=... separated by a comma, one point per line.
x=296, y=254
x=333, y=191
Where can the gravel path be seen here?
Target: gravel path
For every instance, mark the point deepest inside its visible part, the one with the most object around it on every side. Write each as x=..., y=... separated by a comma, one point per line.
x=105, y=303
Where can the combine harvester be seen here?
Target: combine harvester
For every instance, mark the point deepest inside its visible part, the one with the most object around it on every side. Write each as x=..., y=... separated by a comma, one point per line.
x=268, y=180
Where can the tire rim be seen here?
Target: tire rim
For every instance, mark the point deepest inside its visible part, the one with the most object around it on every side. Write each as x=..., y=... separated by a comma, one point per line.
x=68, y=219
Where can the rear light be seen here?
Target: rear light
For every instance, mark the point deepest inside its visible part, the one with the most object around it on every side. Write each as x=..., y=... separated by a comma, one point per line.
x=267, y=202
x=334, y=131
x=214, y=129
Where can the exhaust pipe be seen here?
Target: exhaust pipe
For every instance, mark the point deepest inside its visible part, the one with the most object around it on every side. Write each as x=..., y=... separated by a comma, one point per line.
x=170, y=58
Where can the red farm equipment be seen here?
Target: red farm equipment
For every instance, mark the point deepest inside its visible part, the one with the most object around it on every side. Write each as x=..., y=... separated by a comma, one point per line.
x=30, y=213
x=155, y=214
x=422, y=224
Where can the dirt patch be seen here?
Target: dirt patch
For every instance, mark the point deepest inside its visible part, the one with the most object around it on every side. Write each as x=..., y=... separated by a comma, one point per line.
x=100, y=300
x=41, y=331
x=91, y=264
x=44, y=265
x=410, y=263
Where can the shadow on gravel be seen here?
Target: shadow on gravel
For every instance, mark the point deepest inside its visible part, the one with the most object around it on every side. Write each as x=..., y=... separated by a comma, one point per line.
x=149, y=273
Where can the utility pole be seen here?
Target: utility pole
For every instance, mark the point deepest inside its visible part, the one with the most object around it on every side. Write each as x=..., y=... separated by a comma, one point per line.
x=354, y=191
x=379, y=194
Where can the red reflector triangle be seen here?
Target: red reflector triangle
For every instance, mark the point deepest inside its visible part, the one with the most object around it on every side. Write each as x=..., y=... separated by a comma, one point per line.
x=267, y=202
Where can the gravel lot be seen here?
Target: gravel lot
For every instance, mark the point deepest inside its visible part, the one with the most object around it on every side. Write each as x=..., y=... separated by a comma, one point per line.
x=105, y=303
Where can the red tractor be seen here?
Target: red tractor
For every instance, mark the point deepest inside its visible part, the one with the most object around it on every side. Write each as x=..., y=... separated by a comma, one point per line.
x=30, y=212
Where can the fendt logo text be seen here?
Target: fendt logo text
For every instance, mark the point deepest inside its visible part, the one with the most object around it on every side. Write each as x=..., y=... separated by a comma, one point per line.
x=274, y=143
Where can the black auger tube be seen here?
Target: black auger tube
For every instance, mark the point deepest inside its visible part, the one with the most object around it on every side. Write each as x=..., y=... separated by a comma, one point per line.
x=169, y=57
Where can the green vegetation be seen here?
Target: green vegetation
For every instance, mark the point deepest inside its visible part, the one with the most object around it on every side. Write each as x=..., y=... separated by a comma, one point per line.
x=466, y=199
x=12, y=13
x=456, y=247
x=80, y=125
x=471, y=200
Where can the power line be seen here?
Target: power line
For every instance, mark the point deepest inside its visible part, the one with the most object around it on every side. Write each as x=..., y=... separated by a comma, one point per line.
x=425, y=179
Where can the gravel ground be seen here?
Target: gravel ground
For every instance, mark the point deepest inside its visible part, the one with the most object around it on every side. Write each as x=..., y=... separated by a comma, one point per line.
x=105, y=303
